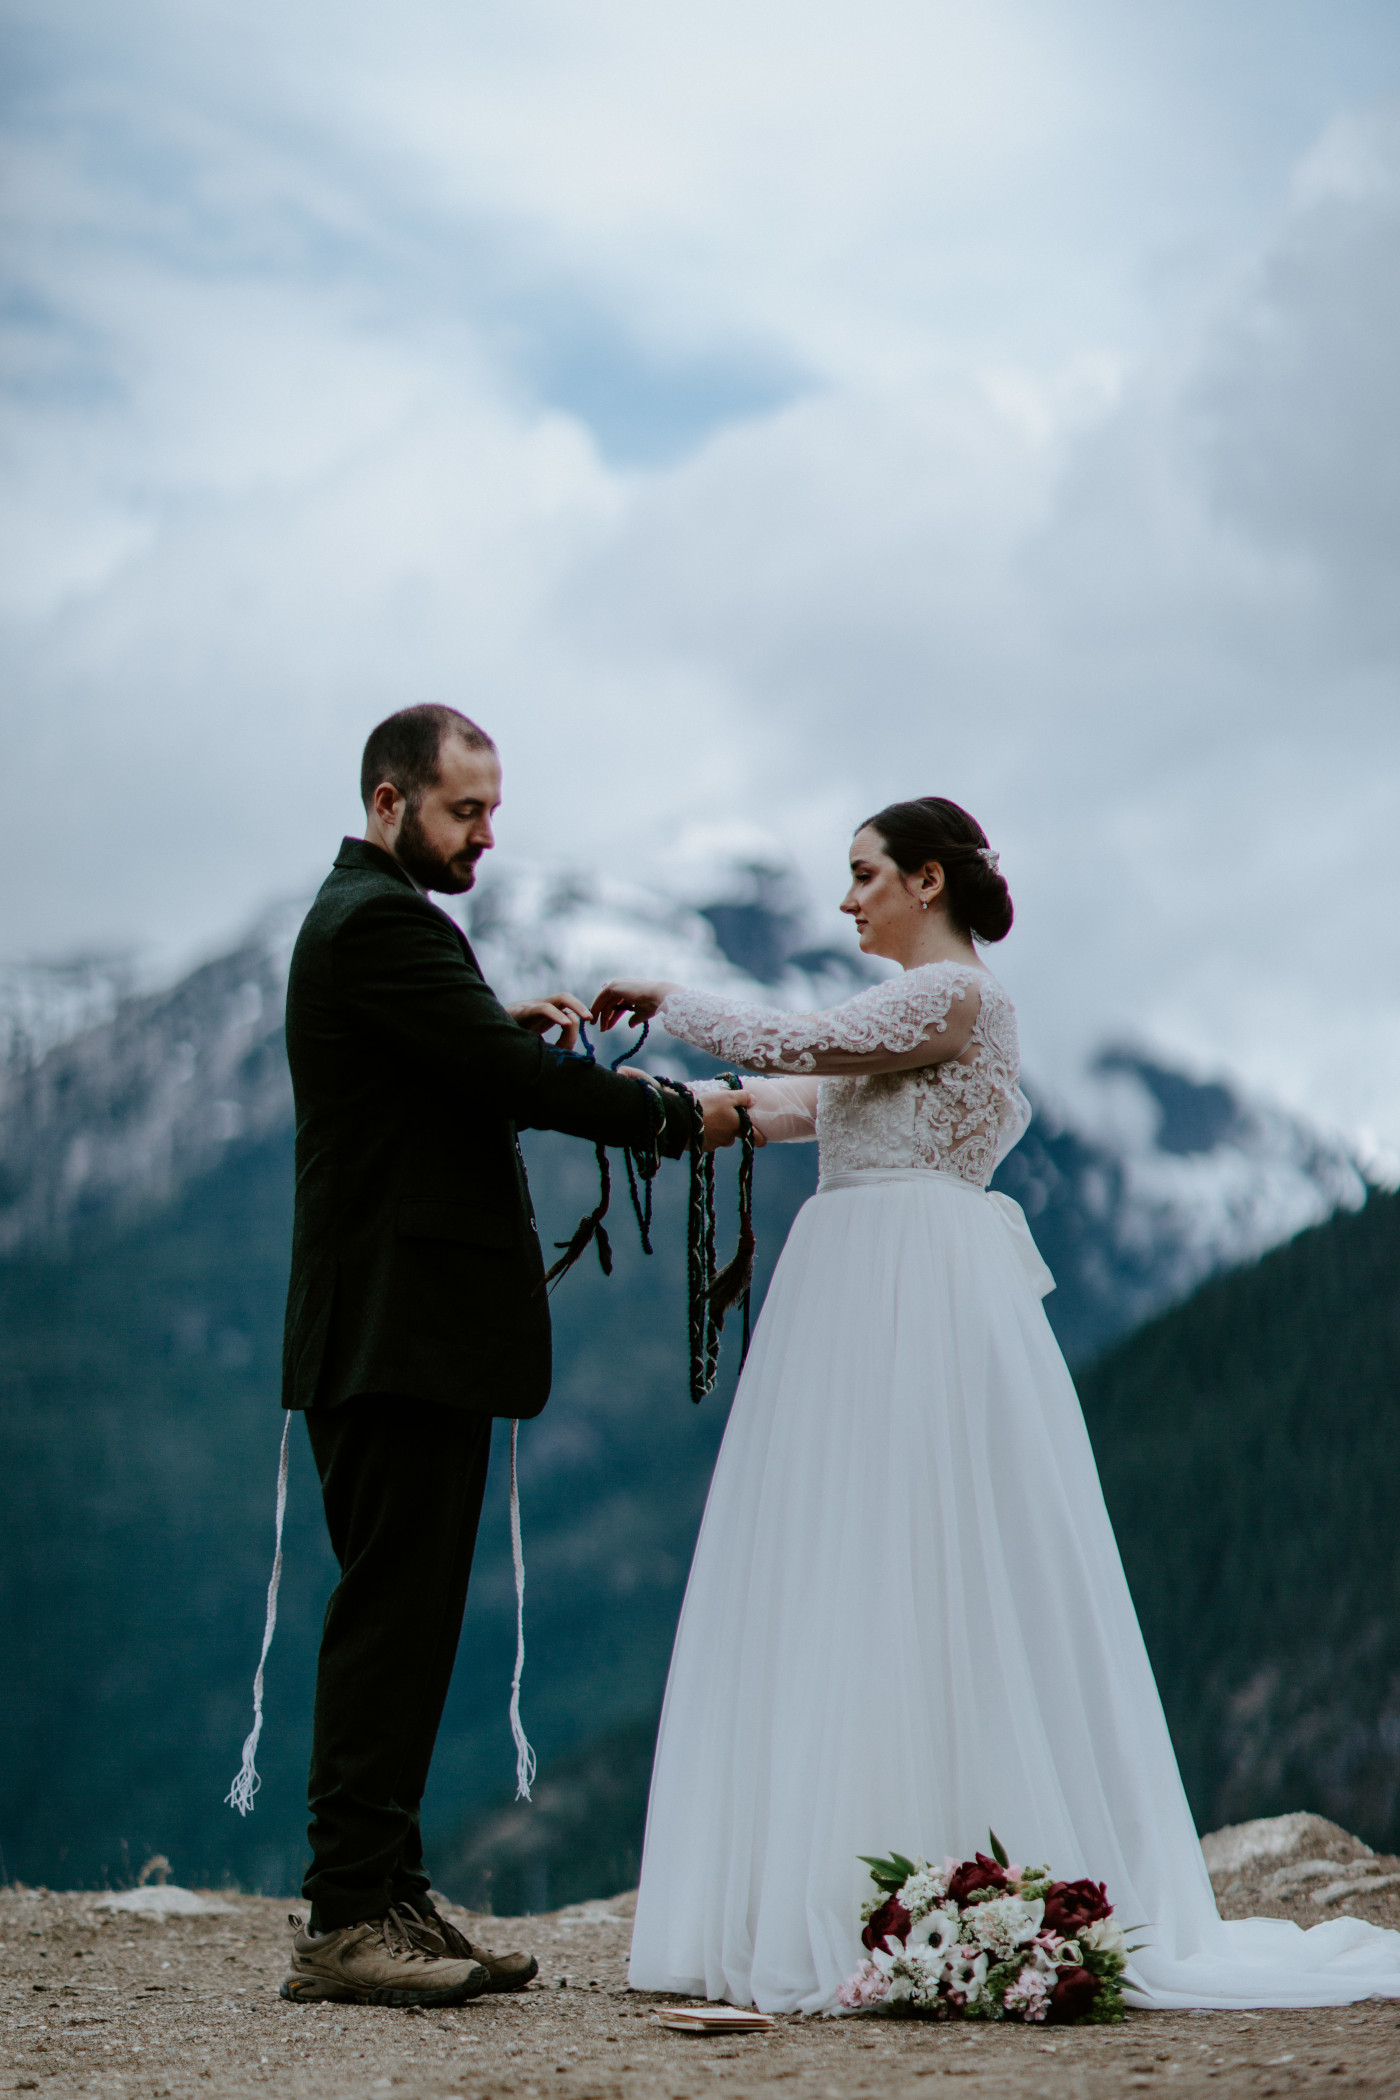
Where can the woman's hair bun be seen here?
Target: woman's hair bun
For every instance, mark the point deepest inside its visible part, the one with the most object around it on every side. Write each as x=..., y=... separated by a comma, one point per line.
x=932, y=828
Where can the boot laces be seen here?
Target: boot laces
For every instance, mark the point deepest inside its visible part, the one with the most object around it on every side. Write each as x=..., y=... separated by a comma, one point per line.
x=398, y=1934
x=436, y=1933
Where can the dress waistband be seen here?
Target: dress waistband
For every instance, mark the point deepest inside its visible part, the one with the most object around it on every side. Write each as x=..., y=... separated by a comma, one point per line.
x=1010, y=1213
x=862, y=1177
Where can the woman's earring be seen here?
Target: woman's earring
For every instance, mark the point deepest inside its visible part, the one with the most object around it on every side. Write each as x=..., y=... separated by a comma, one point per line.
x=924, y=902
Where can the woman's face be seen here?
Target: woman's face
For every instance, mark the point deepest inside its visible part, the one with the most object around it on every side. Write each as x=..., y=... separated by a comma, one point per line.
x=884, y=902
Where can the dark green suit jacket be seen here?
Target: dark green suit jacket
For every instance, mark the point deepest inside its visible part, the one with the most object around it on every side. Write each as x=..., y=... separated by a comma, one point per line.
x=415, y=1264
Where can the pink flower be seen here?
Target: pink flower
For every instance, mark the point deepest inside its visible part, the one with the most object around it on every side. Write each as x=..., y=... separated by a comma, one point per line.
x=1027, y=1998
x=866, y=1987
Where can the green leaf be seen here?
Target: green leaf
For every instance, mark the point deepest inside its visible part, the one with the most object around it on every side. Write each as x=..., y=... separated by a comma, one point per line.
x=887, y=1874
x=999, y=1851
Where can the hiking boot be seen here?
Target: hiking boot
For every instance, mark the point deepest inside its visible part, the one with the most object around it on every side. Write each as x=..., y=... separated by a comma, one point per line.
x=431, y=1930
x=386, y=1961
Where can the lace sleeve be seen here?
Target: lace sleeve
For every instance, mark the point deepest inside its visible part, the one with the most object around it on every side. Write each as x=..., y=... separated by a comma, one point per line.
x=902, y=1023
x=785, y=1110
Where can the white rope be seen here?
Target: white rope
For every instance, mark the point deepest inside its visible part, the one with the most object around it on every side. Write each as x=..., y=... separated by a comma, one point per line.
x=524, y=1755
x=240, y=1794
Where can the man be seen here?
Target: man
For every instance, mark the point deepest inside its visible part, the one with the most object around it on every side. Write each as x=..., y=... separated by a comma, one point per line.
x=416, y=1313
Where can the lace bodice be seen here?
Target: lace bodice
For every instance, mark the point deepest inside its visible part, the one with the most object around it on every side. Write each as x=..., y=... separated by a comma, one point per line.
x=960, y=1115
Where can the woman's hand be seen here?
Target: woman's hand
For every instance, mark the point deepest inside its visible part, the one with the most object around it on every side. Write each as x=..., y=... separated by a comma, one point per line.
x=719, y=1108
x=628, y=995
x=562, y=1011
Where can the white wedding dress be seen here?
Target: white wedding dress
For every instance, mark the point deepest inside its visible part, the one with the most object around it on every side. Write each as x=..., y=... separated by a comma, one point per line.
x=906, y=1621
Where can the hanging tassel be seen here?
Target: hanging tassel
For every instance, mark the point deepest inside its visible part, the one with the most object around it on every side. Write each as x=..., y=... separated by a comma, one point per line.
x=735, y=1279
x=524, y=1755
x=240, y=1794
x=589, y=1228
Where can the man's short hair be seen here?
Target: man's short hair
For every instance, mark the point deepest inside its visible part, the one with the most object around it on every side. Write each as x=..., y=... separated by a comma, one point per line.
x=406, y=748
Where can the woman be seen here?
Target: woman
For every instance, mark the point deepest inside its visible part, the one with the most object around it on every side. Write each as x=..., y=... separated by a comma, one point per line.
x=906, y=1620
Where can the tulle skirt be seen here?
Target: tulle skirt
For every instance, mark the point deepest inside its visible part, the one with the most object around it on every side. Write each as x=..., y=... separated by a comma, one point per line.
x=907, y=1624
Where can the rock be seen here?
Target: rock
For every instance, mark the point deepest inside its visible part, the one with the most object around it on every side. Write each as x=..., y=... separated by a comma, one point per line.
x=1352, y=1887
x=1303, y=1871
x=162, y=1902
x=1283, y=1838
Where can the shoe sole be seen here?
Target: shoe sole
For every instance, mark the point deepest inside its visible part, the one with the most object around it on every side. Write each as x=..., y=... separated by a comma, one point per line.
x=322, y=1990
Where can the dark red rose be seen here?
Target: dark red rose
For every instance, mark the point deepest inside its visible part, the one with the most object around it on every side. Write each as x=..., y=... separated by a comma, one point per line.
x=1073, y=1996
x=974, y=1874
x=890, y=1920
x=1071, y=1905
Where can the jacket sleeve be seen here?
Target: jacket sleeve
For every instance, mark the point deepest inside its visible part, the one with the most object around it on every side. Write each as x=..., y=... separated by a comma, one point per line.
x=399, y=971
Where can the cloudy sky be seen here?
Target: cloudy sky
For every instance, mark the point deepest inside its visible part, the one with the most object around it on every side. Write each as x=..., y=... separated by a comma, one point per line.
x=752, y=413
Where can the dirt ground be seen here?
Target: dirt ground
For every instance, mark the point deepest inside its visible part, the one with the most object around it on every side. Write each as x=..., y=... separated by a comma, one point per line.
x=144, y=2007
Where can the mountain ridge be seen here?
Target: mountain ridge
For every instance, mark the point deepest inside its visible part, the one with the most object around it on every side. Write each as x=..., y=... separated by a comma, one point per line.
x=1143, y=1179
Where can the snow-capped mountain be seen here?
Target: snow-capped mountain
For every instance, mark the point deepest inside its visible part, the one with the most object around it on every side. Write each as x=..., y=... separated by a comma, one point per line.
x=121, y=1115
x=112, y=1100
x=1139, y=1180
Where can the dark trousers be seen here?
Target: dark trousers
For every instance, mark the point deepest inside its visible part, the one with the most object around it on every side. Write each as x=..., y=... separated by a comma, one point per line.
x=402, y=1481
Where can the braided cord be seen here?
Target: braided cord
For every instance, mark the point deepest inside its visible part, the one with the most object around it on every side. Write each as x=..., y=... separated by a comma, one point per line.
x=746, y=1231
x=711, y=1293
x=638, y=1163
x=590, y=1229
x=700, y=1263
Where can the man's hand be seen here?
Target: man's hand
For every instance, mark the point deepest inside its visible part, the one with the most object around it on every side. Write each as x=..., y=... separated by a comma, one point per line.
x=720, y=1110
x=562, y=1011
x=717, y=1105
x=629, y=995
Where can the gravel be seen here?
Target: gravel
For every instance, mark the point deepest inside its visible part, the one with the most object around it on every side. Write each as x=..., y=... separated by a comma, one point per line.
x=158, y=2005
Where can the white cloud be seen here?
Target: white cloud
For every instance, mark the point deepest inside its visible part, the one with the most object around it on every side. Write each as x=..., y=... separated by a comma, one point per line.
x=1095, y=537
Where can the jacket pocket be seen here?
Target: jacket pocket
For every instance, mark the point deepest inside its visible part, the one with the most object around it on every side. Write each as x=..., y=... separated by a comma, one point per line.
x=427, y=1218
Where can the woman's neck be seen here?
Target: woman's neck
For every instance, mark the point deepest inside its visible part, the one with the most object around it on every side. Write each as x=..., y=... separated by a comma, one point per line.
x=933, y=940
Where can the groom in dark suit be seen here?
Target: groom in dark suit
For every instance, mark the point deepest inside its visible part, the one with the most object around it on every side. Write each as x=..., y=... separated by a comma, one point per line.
x=416, y=1314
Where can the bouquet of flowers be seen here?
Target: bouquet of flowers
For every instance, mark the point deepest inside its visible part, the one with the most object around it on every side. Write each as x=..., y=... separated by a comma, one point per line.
x=981, y=1939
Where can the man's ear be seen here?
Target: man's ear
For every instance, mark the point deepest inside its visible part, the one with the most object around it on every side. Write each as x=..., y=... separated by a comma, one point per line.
x=386, y=804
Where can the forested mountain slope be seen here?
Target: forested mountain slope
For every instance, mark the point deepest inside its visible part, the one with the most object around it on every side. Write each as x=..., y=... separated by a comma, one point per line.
x=1249, y=1445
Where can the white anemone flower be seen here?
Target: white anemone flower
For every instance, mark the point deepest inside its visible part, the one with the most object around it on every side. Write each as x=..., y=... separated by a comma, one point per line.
x=936, y=1929
x=966, y=1973
x=896, y=1969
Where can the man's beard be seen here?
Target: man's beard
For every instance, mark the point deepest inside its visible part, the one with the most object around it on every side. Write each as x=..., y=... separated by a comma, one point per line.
x=428, y=868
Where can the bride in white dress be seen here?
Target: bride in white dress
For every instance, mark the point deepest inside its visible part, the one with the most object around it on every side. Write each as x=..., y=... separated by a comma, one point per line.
x=906, y=1621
